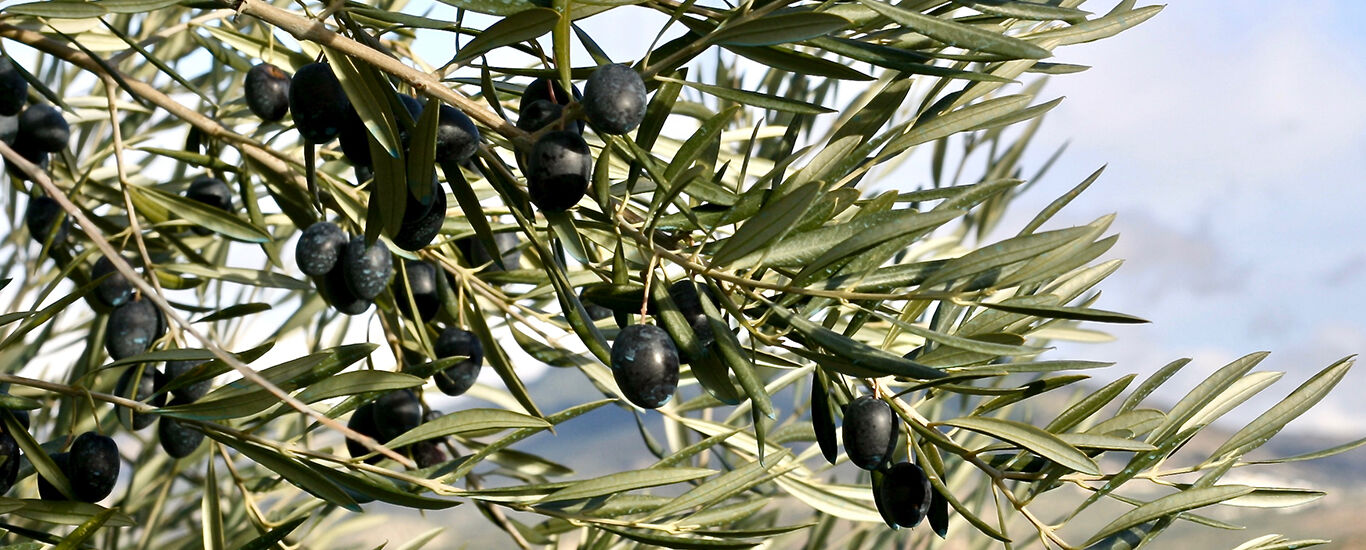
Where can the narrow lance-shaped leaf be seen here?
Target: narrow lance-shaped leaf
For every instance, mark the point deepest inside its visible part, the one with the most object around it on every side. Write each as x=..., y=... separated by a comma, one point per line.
x=211, y=518
x=1036, y=440
x=779, y=29
x=858, y=353
x=519, y=27
x=626, y=481
x=1170, y=505
x=1270, y=422
x=959, y=34
x=467, y=420
x=770, y=224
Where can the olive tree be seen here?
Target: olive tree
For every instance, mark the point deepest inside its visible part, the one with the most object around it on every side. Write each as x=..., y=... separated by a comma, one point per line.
x=279, y=231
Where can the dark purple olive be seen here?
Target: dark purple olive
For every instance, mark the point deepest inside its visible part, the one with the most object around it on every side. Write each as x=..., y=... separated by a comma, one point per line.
x=319, y=248
x=422, y=223
x=267, y=92
x=42, y=127
x=132, y=327
x=93, y=466
x=558, y=171
x=115, y=289
x=45, y=217
x=549, y=90
x=337, y=292
x=426, y=453
x=476, y=255
x=539, y=114
x=684, y=295
x=192, y=392
x=39, y=158
x=595, y=311
x=363, y=422
x=367, y=268
x=395, y=413
x=614, y=99
x=460, y=377
x=211, y=191
x=645, y=365
x=146, y=380
x=354, y=140
x=48, y=491
x=177, y=438
x=318, y=103
x=419, y=279
x=13, y=88
x=457, y=138
x=905, y=492
x=870, y=430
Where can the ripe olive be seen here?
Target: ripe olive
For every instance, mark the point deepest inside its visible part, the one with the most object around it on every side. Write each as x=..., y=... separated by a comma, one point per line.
x=645, y=365
x=396, y=412
x=43, y=128
x=419, y=279
x=614, y=99
x=39, y=158
x=115, y=289
x=93, y=466
x=476, y=255
x=13, y=88
x=421, y=223
x=319, y=248
x=48, y=491
x=870, y=431
x=558, y=171
x=367, y=268
x=267, y=92
x=457, y=138
x=684, y=295
x=456, y=342
x=147, y=380
x=178, y=439
x=905, y=493
x=337, y=292
x=192, y=392
x=539, y=114
x=549, y=90
x=363, y=422
x=43, y=217
x=132, y=327
x=318, y=102
x=211, y=191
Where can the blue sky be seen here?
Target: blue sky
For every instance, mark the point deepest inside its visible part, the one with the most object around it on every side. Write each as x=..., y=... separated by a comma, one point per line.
x=1235, y=142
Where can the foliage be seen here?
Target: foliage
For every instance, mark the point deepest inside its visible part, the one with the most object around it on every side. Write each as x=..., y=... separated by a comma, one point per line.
x=767, y=125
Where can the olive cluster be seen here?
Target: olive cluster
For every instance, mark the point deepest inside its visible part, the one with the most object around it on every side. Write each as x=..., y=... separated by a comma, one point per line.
x=91, y=465
x=349, y=273
x=389, y=416
x=559, y=166
x=902, y=492
x=134, y=323
x=34, y=131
